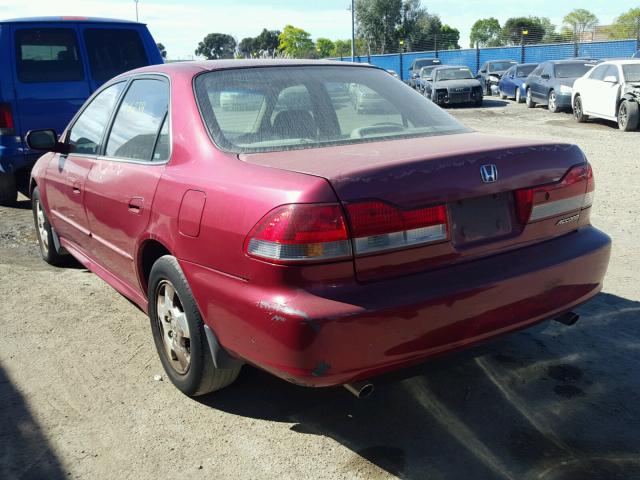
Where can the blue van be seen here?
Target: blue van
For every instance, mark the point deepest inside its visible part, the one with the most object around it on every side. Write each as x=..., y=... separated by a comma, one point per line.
x=49, y=66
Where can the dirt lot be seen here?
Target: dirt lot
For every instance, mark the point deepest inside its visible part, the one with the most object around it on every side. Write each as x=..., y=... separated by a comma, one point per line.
x=78, y=397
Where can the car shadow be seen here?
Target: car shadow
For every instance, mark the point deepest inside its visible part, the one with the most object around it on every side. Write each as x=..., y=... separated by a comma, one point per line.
x=489, y=102
x=551, y=402
x=24, y=450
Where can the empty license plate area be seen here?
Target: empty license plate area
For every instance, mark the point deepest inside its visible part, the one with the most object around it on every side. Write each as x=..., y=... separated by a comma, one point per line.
x=482, y=218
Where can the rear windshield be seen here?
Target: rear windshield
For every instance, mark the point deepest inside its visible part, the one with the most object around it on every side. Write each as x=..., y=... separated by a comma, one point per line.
x=572, y=70
x=48, y=55
x=500, y=66
x=631, y=73
x=453, y=74
x=283, y=108
x=427, y=71
x=113, y=51
x=424, y=62
x=525, y=70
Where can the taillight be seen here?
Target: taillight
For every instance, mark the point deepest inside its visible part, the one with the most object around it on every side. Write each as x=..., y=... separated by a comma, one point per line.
x=573, y=192
x=6, y=119
x=377, y=226
x=300, y=233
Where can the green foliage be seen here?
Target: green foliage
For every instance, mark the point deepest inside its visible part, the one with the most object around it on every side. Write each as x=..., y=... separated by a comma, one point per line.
x=486, y=32
x=448, y=38
x=580, y=21
x=627, y=25
x=325, y=48
x=217, y=45
x=295, y=42
x=378, y=22
x=513, y=31
x=162, y=50
x=342, y=48
x=267, y=42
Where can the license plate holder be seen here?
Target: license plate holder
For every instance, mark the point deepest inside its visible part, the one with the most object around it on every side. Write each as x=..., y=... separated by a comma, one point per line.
x=482, y=218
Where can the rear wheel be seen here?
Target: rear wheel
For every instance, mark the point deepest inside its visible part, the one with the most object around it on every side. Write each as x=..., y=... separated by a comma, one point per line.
x=628, y=116
x=552, y=102
x=529, y=99
x=578, y=112
x=503, y=96
x=178, y=332
x=44, y=231
x=8, y=189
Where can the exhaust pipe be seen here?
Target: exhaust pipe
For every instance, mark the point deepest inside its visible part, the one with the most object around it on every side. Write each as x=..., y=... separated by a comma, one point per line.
x=360, y=389
x=569, y=318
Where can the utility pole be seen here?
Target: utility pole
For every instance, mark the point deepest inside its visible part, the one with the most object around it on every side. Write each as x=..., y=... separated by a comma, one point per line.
x=353, y=31
x=136, y=2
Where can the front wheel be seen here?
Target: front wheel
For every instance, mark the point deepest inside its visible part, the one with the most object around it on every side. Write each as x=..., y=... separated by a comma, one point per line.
x=578, y=112
x=628, y=116
x=518, y=96
x=529, y=99
x=552, y=103
x=44, y=232
x=503, y=96
x=178, y=332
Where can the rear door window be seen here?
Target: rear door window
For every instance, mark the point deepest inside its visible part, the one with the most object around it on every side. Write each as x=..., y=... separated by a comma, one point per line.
x=48, y=55
x=137, y=124
x=113, y=51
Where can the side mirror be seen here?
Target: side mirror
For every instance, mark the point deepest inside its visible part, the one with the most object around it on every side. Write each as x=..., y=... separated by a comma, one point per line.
x=545, y=76
x=483, y=70
x=45, y=140
x=610, y=79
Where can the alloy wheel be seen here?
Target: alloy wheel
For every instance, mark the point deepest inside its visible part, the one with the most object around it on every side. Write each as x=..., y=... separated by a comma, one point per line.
x=173, y=325
x=623, y=115
x=552, y=101
x=42, y=229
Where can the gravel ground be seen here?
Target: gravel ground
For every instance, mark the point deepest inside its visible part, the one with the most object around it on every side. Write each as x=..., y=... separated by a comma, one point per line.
x=78, y=397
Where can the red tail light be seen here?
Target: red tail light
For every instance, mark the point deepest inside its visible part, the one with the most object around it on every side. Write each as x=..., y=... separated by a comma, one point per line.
x=377, y=226
x=300, y=233
x=6, y=119
x=573, y=192
x=317, y=232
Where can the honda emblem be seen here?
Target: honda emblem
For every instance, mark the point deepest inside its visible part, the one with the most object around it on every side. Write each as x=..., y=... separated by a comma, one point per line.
x=489, y=173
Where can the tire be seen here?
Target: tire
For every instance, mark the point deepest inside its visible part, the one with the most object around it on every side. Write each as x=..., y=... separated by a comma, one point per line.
x=44, y=232
x=552, y=102
x=578, y=112
x=192, y=370
x=529, y=99
x=628, y=116
x=503, y=96
x=518, y=95
x=8, y=190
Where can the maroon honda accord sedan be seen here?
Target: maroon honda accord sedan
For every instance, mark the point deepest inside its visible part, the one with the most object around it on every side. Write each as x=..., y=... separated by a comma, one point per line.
x=261, y=215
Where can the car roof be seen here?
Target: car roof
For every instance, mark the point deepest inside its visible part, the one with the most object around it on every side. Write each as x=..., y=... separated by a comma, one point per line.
x=194, y=67
x=626, y=61
x=443, y=67
x=64, y=19
x=573, y=60
x=502, y=60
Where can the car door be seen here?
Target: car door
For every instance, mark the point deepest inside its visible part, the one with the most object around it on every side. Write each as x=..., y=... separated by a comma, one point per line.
x=507, y=82
x=591, y=88
x=541, y=87
x=66, y=174
x=609, y=92
x=121, y=186
x=534, y=78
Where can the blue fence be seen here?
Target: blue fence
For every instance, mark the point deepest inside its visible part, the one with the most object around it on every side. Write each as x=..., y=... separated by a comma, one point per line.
x=473, y=58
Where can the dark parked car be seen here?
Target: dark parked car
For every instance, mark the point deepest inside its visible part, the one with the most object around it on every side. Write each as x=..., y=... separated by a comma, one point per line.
x=322, y=246
x=452, y=85
x=416, y=65
x=551, y=83
x=511, y=84
x=48, y=67
x=491, y=72
x=425, y=77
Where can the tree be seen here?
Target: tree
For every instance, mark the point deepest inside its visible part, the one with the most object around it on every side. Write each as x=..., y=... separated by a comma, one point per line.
x=514, y=30
x=295, y=42
x=325, y=48
x=342, y=48
x=448, y=38
x=580, y=21
x=217, y=45
x=378, y=22
x=486, y=32
x=267, y=42
x=247, y=47
x=162, y=50
x=626, y=25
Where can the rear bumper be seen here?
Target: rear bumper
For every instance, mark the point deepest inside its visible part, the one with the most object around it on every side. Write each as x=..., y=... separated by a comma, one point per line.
x=563, y=100
x=12, y=154
x=335, y=335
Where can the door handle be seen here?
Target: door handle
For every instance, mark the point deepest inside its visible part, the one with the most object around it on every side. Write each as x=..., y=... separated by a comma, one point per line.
x=136, y=204
x=76, y=185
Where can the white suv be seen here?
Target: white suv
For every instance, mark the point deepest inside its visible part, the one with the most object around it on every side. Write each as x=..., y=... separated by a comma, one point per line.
x=610, y=91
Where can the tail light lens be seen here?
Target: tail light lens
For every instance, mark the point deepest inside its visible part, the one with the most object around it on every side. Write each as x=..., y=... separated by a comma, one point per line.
x=377, y=226
x=300, y=233
x=6, y=119
x=573, y=192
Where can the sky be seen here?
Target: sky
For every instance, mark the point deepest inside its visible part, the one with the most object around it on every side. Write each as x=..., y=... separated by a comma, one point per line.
x=180, y=25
